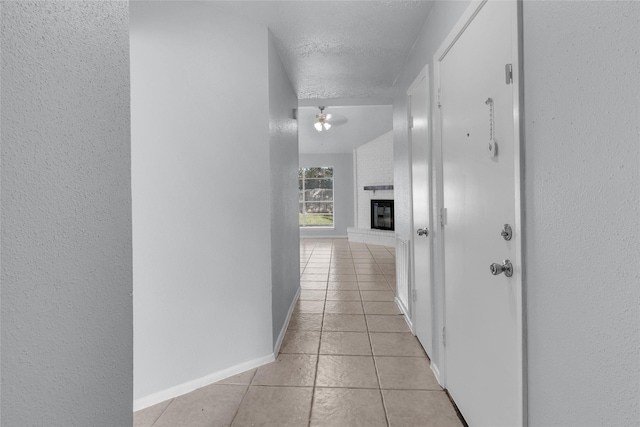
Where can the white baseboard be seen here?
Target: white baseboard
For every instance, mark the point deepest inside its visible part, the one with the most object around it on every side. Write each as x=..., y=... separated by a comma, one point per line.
x=436, y=372
x=336, y=236
x=405, y=312
x=276, y=347
x=189, y=386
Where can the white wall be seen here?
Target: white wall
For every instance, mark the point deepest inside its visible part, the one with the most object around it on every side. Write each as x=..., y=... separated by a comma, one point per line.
x=201, y=196
x=342, y=192
x=374, y=166
x=283, y=152
x=66, y=214
x=438, y=25
x=582, y=175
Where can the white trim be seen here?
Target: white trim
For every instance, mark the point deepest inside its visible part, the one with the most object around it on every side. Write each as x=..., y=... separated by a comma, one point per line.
x=472, y=10
x=189, y=386
x=423, y=75
x=355, y=186
x=324, y=236
x=438, y=234
x=518, y=138
x=412, y=276
x=518, y=101
x=436, y=373
x=276, y=347
x=405, y=313
x=317, y=227
x=438, y=231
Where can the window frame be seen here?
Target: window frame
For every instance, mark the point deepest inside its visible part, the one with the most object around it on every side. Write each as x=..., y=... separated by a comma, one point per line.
x=302, y=194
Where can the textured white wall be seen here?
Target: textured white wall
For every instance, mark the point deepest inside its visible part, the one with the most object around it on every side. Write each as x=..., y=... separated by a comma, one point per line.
x=201, y=193
x=66, y=214
x=441, y=20
x=283, y=153
x=342, y=192
x=374, y=166
x=582, y=175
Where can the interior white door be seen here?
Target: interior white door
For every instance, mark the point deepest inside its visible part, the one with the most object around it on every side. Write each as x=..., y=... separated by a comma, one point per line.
x=483, y=331
x=421, y=194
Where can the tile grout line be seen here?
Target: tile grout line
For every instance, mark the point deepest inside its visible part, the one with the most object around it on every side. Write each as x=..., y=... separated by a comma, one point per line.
x=375, y=365
x=162, y=413
x=340, y=387
x=315, y=376
x=389, y=287
x=244, y=396
x=379, y=272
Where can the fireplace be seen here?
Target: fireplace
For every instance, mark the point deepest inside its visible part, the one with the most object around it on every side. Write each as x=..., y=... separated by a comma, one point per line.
x=382, y=214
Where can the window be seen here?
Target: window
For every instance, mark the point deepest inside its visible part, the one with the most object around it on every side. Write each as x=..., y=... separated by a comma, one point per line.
x=316, y=196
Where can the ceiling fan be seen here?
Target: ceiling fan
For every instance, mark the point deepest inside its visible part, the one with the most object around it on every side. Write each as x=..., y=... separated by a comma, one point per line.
x=324, y=121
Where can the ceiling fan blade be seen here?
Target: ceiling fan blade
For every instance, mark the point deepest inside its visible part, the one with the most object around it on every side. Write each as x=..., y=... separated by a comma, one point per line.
x=336, y=119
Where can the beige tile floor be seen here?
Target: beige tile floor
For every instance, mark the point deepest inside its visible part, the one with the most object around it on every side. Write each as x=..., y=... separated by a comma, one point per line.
x=347, y=359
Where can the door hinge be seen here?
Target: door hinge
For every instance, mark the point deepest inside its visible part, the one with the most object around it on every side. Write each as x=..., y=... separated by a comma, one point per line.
x=414, y=295
x=410, y=122
x=444, y=335
x=443, y=216
x=508, y=73
x=439, y=98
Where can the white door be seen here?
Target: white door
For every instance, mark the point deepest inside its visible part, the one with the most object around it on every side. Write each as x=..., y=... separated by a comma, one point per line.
x=483, y=347
x=420, y=172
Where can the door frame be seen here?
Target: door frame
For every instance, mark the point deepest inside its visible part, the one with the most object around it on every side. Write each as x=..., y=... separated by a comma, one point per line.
x=438, y=244
x=423, y=75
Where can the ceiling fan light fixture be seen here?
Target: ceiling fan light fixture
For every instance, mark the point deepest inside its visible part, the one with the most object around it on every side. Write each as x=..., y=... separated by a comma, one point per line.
x=322, y=124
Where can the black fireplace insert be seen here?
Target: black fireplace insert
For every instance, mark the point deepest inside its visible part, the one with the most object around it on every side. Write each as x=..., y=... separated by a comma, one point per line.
x=382, y=214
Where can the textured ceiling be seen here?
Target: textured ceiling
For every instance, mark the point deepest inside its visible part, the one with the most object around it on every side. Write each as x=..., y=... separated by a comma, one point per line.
x=339, y=49
x=366, y=122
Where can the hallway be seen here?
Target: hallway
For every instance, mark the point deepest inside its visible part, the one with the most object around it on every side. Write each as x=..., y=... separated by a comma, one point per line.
x=348, y=358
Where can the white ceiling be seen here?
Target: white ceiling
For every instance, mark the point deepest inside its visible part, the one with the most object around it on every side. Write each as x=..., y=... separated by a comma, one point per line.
x=349, y=51
x=339, y=49
x=366, y=122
